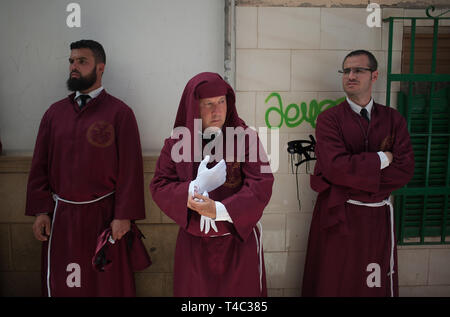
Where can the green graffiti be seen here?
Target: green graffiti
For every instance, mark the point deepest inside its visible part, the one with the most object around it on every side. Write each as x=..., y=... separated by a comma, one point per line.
x=300, y=114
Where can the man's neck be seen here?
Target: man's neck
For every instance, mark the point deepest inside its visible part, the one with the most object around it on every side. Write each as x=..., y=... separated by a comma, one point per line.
x=93, y=93
x=360, y=101
x=93, y=87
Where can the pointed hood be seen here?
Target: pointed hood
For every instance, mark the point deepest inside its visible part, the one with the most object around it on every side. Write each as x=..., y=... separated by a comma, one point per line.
x=203, y=85
x=206, y=85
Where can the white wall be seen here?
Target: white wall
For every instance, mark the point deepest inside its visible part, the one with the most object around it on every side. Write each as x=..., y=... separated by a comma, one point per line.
x=153, y=47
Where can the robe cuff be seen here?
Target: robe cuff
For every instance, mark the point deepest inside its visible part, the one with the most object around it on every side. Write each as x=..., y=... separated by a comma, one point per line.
x=384, y=160
x=222, y=213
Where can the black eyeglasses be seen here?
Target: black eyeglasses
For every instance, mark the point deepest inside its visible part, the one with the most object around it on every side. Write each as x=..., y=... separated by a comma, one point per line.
x=354, y=70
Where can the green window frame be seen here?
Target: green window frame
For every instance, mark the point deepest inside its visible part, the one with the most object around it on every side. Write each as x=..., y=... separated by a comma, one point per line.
x=422, y=207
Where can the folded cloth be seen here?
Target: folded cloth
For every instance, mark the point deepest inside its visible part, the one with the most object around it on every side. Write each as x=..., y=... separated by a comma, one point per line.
x=137, y=253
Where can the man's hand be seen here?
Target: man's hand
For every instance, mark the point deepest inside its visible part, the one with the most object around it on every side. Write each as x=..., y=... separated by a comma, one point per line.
x=207, y=207
x=119, y=228
x=389, y=156
x=41, y=227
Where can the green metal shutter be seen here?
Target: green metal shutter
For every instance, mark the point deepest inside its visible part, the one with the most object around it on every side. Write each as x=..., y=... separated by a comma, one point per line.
x=422, y=207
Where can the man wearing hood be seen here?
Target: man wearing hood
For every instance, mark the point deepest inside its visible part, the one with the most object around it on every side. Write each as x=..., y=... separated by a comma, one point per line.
x=217, y=204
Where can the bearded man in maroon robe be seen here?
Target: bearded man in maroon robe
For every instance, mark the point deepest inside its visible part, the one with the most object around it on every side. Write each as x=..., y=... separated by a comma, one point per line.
x=86, y=178
x=363, y=154
x=216, y=202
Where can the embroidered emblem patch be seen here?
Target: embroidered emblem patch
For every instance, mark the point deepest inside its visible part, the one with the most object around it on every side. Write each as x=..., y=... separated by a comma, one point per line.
x=234, y=177
x=100, y=134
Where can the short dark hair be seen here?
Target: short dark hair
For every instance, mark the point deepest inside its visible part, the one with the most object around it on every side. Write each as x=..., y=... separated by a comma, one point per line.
x=95, y=47
x=373, y=64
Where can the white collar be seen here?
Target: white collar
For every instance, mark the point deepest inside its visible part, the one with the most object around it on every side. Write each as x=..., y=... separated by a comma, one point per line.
x=93, y=94
x=357, y=108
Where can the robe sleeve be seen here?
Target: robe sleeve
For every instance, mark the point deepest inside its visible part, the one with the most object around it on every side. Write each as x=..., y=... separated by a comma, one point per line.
x=39, y=196
x=129, y=194
x=246, y=206
x=401, y=169
x=340, y=167
x=168, y=192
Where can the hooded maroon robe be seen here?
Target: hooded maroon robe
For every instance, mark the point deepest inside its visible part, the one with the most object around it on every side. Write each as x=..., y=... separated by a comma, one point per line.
x=223, y=263
x=345, y=238
x=81, y=155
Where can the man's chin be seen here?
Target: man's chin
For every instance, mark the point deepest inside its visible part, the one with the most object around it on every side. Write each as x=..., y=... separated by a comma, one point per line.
x=214, y=128
x=74, y=84
x=351, y=90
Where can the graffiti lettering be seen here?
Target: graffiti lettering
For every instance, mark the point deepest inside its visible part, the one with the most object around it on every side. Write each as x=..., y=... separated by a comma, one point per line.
x=294, y=115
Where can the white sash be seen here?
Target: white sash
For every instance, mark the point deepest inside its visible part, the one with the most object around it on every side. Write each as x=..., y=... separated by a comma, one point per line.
x=391, y=211
x=259, y=251
x=56, y=198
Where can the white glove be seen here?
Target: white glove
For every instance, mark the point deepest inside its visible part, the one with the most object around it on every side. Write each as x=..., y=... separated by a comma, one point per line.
x=206, y=222
x=208, y=179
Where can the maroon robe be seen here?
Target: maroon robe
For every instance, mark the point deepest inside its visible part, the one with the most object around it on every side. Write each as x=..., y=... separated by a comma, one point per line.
x=227, y=262
x=82, y=155
x=344, y=238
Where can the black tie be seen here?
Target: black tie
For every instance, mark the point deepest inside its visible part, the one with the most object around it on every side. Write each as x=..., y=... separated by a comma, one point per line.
x=83, y=99
x=365, y=114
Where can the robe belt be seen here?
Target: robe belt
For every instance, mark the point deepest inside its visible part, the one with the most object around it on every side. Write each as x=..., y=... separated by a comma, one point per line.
x=259, y=251
x=391, y=212
x=56, y=198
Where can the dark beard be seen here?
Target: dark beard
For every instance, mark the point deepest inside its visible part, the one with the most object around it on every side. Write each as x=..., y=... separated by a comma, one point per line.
x=82, y=83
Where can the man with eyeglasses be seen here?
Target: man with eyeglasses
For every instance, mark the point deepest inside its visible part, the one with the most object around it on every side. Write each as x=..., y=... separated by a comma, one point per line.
x=363, y=154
